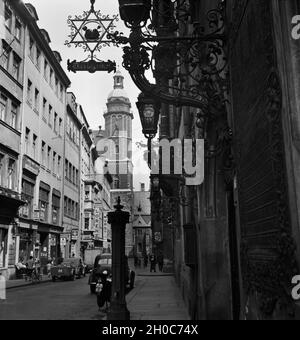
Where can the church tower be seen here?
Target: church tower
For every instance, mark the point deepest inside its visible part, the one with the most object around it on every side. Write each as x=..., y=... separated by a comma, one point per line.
x=118, y=127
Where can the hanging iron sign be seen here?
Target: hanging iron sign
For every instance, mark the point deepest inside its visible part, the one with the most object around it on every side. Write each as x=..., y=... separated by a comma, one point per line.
x=92, y=31
x=91, y=66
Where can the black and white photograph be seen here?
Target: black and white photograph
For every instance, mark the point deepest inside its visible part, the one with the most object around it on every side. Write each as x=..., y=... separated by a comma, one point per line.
x=149, y=163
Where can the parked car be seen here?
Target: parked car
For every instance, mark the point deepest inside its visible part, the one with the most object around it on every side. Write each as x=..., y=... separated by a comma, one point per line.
x=70, y=268
x=103, y=263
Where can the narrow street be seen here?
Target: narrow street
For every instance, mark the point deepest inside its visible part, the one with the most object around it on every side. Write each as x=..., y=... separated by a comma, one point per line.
x=62, y=300
x=155, y=297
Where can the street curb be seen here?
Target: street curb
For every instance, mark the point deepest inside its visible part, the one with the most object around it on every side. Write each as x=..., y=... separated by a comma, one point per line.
x=28, y=284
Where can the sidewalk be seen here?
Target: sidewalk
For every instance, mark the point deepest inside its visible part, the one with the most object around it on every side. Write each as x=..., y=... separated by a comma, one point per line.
x=156, y=297
x=22, y=283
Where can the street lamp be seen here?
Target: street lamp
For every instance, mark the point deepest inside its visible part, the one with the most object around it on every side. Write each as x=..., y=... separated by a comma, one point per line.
x=135, y=13
x=149, y=110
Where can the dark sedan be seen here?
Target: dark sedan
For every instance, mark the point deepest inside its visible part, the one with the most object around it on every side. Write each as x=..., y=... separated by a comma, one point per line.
x=104, y=262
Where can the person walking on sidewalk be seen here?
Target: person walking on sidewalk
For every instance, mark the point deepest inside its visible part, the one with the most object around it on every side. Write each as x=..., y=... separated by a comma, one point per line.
x=152, y=263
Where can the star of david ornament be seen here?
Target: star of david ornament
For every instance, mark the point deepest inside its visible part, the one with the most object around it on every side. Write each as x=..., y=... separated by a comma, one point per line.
x=91, y=31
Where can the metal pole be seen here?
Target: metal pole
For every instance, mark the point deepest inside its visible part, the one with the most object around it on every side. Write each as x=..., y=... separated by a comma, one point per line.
x=118, y=220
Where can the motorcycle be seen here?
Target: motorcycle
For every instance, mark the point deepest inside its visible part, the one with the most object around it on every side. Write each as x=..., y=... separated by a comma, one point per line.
x=103, y=290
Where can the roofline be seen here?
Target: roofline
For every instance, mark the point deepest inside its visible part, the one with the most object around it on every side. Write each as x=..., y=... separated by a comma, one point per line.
x=33, y=28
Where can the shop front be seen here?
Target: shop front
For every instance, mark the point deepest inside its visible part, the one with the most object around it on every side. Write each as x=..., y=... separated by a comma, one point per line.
x=10, y=203
x=26, y=238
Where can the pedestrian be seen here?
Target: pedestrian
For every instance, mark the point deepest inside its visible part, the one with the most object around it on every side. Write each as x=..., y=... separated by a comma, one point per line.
x=160, y=261
x=152, y=263
x=145, y=261
x=49, y=265
x=2, y=288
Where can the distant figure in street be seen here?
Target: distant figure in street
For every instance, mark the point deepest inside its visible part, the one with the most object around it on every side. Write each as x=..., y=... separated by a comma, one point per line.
x=145, y=261
x=49, y=265
x=30, y=263
x=2, y=288
x=152, y=263
x=160, y=261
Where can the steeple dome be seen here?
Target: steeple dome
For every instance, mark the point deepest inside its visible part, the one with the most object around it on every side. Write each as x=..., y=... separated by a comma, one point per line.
x=118, y=91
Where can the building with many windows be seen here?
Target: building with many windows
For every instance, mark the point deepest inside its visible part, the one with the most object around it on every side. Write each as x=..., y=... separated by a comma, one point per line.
x=12, y=44
x=32, y=108
x=71, y=190
x=41, y=179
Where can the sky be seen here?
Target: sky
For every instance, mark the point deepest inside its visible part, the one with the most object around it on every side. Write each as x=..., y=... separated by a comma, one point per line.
x=91, y=90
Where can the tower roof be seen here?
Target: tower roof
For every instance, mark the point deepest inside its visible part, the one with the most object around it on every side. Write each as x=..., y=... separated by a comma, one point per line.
x=118, y=91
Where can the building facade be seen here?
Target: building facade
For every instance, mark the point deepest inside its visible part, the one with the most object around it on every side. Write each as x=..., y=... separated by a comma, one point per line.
x=35, y=171
x=235, y=237
x=72, y=188
x=12, y=62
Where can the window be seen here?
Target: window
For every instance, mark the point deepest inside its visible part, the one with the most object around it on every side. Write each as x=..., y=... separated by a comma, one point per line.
x=54, y=162
x=16, y=66
x=8, y=17
x=18, y=27
x=46, y=70
x=55, y=209
x=73, y=175
x=65, y=206
x=29, y=91
x=55, y=122
x=3, y=107
x=49, y=157
x=70, y=172
x=87, y=223
x=44, y=106
x=56, y=85
x=28, y=192
x=1, y=168
x=38, y=58
x=51, y=77
x=61, y=92
x=50, y=115
x=76, y=178
x=116, y=183
x=6, y=49
x=66, y=169
x=31, y=48
x=34, y=144
x=27, y=141
x=58, y=165
x=37, y=100
x=60, y=127
x=43, y=204
x=14, y=113
x=87, y=195
x=11, y=172
x=43, y=151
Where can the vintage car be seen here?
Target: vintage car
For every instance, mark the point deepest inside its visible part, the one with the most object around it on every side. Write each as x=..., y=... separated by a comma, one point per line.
x=70, y=268
x=103, y=263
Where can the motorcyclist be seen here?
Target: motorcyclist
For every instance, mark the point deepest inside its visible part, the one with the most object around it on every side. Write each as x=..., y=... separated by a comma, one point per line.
x=103, y=290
